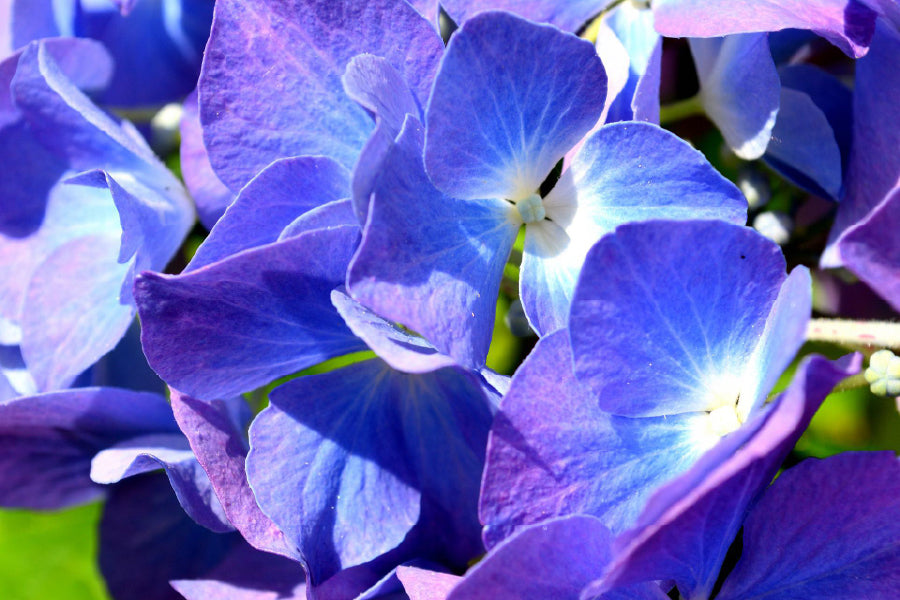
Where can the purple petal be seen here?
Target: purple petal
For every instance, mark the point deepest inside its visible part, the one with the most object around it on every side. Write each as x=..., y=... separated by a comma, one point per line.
x=337, y=462
x=73, y=311
x=146, y=540
x=420, y=584
x=639, y=99
x=869, y=181
x=299, y=52
x=624, y=172
x=570, y=457
x=394, y=346
x=432, y=262
x=803, y=146
x=247, y=574
x=842, y=544
x=380, y=89
x=143, y=454
x=222, y=450
x=334, y=214
x=740, y=89
x=688, y=524
x=48, y=441
x=870, y=249
x=659, y=328
x=511, y=98
x=846, y=23
x=569, y=15
x=157, y=48
x=554, y=560
x=211, y=196
x=270, y=202
x=240, y=323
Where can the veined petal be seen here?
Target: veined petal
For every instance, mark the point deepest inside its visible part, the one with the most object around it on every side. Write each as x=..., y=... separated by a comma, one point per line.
x=48, y=441
x=624, y=172
x=556, y=559
x=241, y=322
x=272, y=200
x=667, y=315
x=687, y=526
x=569, y=15
x=299, y=51
x=571, y=457
x=510, y=99
x=844, y=544
x=359, y=471
x=74, y=310
x=431, y=262
x=222, y=450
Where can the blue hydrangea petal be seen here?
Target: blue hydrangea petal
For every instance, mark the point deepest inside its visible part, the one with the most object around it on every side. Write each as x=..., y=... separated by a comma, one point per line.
x=74, y=311
x=300, y=50
x=556, y=559
x=220, y=445
x=740, y=89
x=841, y=545
x=259, y=315
x=687, y=525
x=847, y=24
x=569, y=15
x=279, y=194
x=64, y=119
x=511, y=98
x=421, y=584
x=624, y=172
x=146, y=540
x=381, y=90
x=334, y=214
x=830, y=95
x=431, y=262
x=869, y=181
x=658, y=327
x=870, y=249
x=147, y=453
x=247, y=574
x=210, y=195
x=394, y=346
x=803, y=146
x=48, y=441
x=639, y=99
x=783, y=335
x=570, y=457
x=359, y=473
x=153, y=226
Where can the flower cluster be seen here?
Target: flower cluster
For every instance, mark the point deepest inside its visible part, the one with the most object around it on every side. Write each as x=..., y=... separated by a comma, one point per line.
x=389, y=188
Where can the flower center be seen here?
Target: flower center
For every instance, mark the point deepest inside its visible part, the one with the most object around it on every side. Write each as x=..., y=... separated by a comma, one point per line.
x=531, y=209
x=724, y=420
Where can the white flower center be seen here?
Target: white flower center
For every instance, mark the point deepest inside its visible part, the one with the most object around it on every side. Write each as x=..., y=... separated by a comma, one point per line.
x=531, y=209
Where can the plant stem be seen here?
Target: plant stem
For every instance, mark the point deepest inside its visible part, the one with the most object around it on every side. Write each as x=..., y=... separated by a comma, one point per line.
x=851, y=383
x=682, y=109
x=881, y=334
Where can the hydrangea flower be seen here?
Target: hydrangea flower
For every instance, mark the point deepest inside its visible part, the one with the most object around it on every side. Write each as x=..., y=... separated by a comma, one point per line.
x=670, y=351
x=84, y=205
x=439, y=233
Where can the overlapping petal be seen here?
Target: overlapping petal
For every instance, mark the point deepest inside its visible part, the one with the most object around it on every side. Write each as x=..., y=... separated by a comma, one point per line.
x=511, y=98
x=293, y=53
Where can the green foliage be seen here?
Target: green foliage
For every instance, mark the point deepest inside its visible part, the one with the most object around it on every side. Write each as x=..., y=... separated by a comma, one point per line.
x=50, y=556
